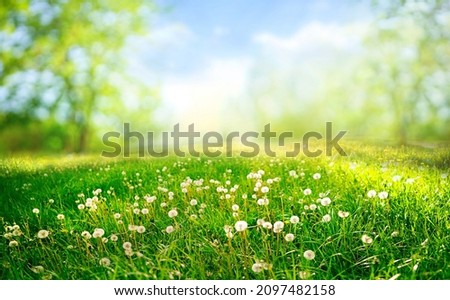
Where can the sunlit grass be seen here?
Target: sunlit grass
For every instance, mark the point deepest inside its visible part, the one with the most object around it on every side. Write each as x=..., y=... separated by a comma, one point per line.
x=136, y=218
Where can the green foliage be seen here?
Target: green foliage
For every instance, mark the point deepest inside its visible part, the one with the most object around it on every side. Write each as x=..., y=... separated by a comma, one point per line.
x=61, y=60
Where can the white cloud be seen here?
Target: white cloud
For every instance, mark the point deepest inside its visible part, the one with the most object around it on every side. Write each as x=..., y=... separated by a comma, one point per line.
x=172, y=34
x=313, y=36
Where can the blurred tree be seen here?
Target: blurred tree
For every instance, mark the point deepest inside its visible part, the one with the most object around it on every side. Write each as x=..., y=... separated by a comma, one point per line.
x=409, y=59
x=60, y=61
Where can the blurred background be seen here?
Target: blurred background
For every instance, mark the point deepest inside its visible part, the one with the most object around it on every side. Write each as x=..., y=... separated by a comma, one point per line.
x=71, y=70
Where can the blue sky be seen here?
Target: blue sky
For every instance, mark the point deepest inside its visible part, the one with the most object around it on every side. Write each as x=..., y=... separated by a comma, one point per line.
x=202, y=53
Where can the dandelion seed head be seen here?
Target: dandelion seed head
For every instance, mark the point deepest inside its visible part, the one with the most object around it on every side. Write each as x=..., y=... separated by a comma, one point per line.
x=383, y=195
x=42, y=234
x=366, y=239
x=326, y=218
x=13, y=244
x=240, y=226
x=307, y=192
x=289, y=237
x=35, y=211
x=316, y=176
x=371, y=193
x=140, y=229
x=325, y=201
x=173, y=213
x=60, y=217
x=169, y=229
x=309, y=254
x=126, y=246
x=343, y=214
x=294, y=220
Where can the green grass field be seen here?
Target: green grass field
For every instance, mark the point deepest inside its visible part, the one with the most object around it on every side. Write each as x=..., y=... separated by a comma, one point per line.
x=379, y=213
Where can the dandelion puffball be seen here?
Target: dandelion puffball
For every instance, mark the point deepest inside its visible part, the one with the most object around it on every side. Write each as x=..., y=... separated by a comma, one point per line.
x=173, y=213
x=326, y=218
x=343, y=214
x=257, y=267
x=289, y=237
x=294, y=219
x=366, y=239
x=169, y=229
x=309, y=255
x=371, y=193
x=325, y=201
x=240, y=226
x=383, y=195
x=42, y=234
x=105, y=262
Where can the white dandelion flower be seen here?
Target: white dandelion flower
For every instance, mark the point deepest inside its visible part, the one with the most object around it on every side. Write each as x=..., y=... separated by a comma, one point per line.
x=227, y=228
x=240, y=226
x=136, y=211
x=343, y=214
x=42, y=234
x=86, y=235
x=316, y=176
x=80, y=206
x=267, y=225
x=259, y=222
x=144, y=211
x=326, y=218
x=35, y=211
x=307, y=192
x=132, y=227
x=263, y=201
x=60, y=217
x=383, y=195
x=366, y=239
x=170, y=229
x=193, y=202
x=172, y=213
x=13, y=244
x=394, y=234
x=289, y=237
x=105, y=262
x=229, y=235
x=117, y=216
x=371, y=193
x=51, y=201
x=235, y=207
x=140, y=229
x=278, y=226
x=294, y=220
x=257, y=267
x=114, y=238
x=126, y=246
x=264, y=189
x=98, y=233
x=325, y=201
x=309, y=255
x=312, y=207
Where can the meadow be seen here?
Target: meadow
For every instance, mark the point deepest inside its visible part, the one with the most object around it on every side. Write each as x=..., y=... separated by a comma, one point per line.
x=379, y=213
